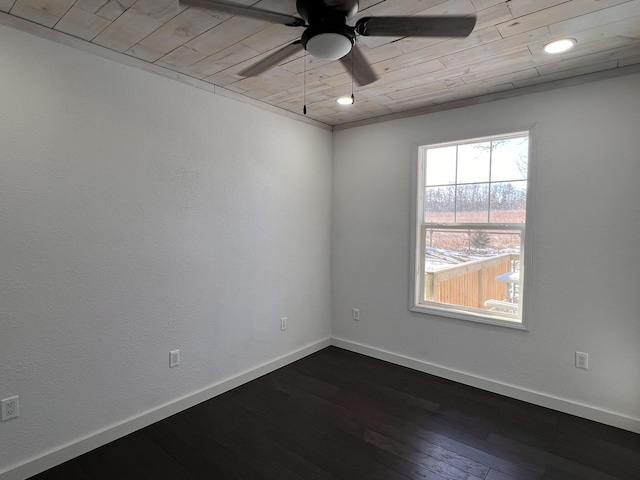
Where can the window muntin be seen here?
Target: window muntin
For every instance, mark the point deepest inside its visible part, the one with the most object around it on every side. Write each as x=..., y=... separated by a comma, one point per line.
x=471, y=214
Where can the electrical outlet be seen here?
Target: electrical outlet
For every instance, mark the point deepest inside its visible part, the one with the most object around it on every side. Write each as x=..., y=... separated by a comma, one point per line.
x=10, y=408
x=582, y=360
x=356, y=314
x=283, y=323
x=174, y=358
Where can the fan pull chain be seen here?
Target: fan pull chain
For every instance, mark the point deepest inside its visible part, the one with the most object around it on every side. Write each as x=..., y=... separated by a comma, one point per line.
x=304, y=88
x=353, y=99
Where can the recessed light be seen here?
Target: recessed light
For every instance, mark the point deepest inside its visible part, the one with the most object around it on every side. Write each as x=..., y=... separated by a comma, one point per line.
x=345, y=100
x=559, y=46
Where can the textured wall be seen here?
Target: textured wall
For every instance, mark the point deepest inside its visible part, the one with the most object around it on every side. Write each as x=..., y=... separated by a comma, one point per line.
x=585, y=291
x=139, y=215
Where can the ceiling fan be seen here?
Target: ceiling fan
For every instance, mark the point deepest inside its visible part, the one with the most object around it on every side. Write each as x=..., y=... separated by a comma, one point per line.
x=328, y=36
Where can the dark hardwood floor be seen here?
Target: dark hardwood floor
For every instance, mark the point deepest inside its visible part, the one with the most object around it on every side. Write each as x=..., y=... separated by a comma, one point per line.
x=337, y=414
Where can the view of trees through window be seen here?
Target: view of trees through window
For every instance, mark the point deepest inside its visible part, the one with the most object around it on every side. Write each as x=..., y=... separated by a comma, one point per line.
x=474, y=213
x=475, y=183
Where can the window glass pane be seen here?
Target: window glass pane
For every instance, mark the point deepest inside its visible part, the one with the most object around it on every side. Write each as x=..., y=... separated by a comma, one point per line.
x=498, y=242
x=440, y=204
x=441, y=166
x=472, y=203
x=509, y=159
x=473, y=162
x=472, y=191
x=446, y=247
x=477, y=269
x=452, y=247
x=508, y=202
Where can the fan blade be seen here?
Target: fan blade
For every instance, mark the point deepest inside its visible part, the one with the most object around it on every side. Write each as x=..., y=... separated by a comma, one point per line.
x=443, y=26
x=272, y=60
x=356, y=63
x=241, y=10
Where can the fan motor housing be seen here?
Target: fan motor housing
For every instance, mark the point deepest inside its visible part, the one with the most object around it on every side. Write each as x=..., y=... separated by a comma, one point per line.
x=326, y=11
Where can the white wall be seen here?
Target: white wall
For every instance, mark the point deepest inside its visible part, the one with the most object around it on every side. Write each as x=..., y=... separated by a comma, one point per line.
x=140, y=215
x=585, y=293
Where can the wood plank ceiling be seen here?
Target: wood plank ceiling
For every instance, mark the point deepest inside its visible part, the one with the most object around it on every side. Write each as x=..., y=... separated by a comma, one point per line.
x=503, y=53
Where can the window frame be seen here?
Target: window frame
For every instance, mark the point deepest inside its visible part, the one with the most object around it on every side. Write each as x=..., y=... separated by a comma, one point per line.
x=418, y=230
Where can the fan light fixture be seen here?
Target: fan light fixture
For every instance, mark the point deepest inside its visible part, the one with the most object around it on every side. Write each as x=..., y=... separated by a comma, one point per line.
x=328, y=36
x=329, y=46
x=560, y=46
x=345, y=100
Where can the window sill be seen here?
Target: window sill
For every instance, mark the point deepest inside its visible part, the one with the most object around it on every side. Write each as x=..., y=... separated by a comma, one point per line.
x=470, y=316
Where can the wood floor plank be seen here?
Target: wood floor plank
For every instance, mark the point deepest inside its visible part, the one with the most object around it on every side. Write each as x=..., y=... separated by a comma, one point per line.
x=621, y=461
x=496, y=475
x=248, y=432
x=333, y=432
x=201, y=456
x=585, y=472
x=410, y=434
x=132, y=457
x=340, y=415
x=467, y=470
x=66, y=471
x=306, y=429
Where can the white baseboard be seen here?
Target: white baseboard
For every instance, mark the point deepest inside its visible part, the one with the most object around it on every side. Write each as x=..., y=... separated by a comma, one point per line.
x=96, y=439
x=537, y=398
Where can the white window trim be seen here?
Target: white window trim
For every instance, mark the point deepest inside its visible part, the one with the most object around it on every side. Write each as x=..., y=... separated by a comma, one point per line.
x=416, y=270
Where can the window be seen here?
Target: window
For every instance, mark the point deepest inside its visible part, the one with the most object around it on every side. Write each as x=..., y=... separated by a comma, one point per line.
x=470, y=219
